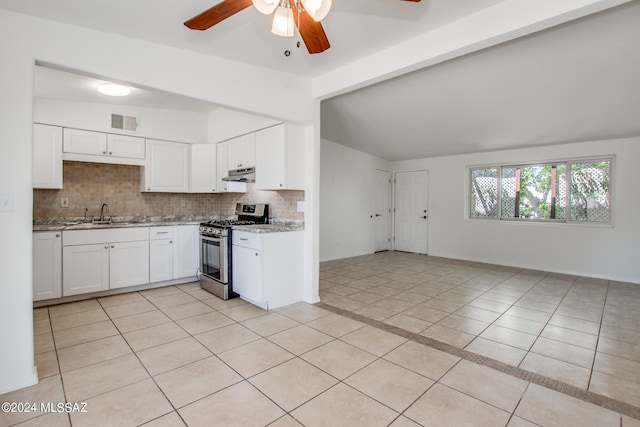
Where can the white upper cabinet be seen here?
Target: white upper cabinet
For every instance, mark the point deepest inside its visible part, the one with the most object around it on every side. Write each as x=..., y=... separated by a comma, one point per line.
x=242, y=152
x=166, y=168
x=280, y=158
x=85, y=142
x=131, y=147
x=222, y=170
x=47, y=156
x=99, y=147
x=202, y=173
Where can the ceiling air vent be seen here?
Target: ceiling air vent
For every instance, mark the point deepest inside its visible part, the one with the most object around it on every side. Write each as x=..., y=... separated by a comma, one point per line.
x=122, y=122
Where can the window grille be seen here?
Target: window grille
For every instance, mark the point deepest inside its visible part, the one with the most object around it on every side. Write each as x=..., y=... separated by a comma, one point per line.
x=541, y=192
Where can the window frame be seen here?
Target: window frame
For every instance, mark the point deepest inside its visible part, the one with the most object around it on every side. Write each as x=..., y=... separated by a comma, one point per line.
x=567, y=190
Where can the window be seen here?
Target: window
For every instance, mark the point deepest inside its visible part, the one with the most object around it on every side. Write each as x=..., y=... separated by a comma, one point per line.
x=557, y=192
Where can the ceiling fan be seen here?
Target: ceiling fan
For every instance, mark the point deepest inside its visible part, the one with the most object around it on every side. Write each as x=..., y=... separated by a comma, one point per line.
x=306, y=14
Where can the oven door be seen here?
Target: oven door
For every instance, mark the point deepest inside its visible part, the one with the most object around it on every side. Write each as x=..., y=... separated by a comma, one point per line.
x=213, y=258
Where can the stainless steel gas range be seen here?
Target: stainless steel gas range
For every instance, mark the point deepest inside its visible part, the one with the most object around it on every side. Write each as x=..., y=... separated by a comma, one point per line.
x=215, y=248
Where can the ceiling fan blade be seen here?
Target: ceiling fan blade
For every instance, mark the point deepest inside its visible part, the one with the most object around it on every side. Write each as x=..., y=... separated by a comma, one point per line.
x=312, y=32
x=217, y=13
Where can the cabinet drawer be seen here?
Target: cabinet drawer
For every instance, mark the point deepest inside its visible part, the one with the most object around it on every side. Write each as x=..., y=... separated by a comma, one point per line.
x=247, y=240
x=156, y=233
x=89, y=237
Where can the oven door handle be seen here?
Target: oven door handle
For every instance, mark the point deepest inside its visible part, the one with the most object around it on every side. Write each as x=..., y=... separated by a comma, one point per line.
x=212, y=238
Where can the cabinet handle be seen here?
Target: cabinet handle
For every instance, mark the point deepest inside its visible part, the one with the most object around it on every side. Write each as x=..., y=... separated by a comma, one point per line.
x=113, y=246
x=257, y=254
x=280, y=185
x=239, y=166
x=242, y=238
x=170, y=241
x=106, y=247
x=57, y=235
x=104, y=152
x=148, y=189
x=162, y=232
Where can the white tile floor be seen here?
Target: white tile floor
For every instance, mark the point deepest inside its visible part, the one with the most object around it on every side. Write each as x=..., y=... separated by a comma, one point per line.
x=178, y=355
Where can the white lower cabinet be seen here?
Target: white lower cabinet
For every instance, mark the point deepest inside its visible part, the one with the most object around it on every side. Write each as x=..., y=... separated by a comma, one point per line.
x=99, y=260
x=83, y=261
x=186, y=255
x=47, y=265
x=128, y=264
x=161, y=247
x=85, y=268
x=247, y=273
x=267, y=267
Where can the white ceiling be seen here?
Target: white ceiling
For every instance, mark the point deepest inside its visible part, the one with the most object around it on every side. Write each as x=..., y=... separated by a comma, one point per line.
x=571, y=83
x=355, y=28
x=576, y=82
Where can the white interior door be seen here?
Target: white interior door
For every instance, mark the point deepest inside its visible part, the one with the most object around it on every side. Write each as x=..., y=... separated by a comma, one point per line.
x=411, y=211
x=382, y=213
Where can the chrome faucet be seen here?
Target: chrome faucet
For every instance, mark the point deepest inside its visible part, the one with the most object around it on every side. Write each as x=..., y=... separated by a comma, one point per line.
x=102, y=211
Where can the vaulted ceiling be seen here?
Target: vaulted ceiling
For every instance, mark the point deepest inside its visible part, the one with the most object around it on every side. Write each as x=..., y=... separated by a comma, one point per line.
x=568, y=80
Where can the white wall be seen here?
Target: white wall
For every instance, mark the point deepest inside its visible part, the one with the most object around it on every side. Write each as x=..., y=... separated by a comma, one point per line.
x=609, y=252
x=158, y=123
x=225, y=124
x=25, y=40
x=347, y=200
x=595, y=251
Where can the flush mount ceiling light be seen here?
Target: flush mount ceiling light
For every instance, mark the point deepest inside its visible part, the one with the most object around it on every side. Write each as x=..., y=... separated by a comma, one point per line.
x=305, y=14
x=113, y=89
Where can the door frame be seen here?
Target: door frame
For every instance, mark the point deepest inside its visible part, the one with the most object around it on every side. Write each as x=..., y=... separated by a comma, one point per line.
x=390, y=206
x=393, y=203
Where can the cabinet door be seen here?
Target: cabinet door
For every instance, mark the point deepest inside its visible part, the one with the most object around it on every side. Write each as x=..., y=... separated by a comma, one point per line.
x=125, y=146
x=166, y=167
x=247, y=273
x=47, y=265
x=47, y=156
x=85, y=268
x=85, y=142
x=186, y=256
x=270, y=158
x=242, y=151
x=222, y=170
x=129, y=264
x=203, y=168
x=161, y=260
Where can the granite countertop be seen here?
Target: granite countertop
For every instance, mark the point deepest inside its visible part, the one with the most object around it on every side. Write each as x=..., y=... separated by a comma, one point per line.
x=278, y=227
x=72, y=223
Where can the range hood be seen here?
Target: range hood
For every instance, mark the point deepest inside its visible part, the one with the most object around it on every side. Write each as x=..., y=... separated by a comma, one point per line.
x=241, y=175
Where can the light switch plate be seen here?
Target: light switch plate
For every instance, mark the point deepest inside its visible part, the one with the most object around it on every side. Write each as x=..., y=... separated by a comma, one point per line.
x=7, y=202
x=64, y=202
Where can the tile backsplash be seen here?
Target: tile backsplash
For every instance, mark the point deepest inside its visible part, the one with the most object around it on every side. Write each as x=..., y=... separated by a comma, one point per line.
x=89, y=185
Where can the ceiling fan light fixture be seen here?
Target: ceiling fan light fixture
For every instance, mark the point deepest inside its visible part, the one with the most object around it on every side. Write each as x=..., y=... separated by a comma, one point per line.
x=317, y=9
x=266, y=6
x=113, y=89
x=283, y=22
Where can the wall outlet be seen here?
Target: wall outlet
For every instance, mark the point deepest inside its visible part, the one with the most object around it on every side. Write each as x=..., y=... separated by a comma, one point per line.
x=64, y=202
x=182, y=203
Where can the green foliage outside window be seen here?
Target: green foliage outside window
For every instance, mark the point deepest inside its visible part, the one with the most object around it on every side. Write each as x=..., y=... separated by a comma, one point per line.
x=541, y=192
